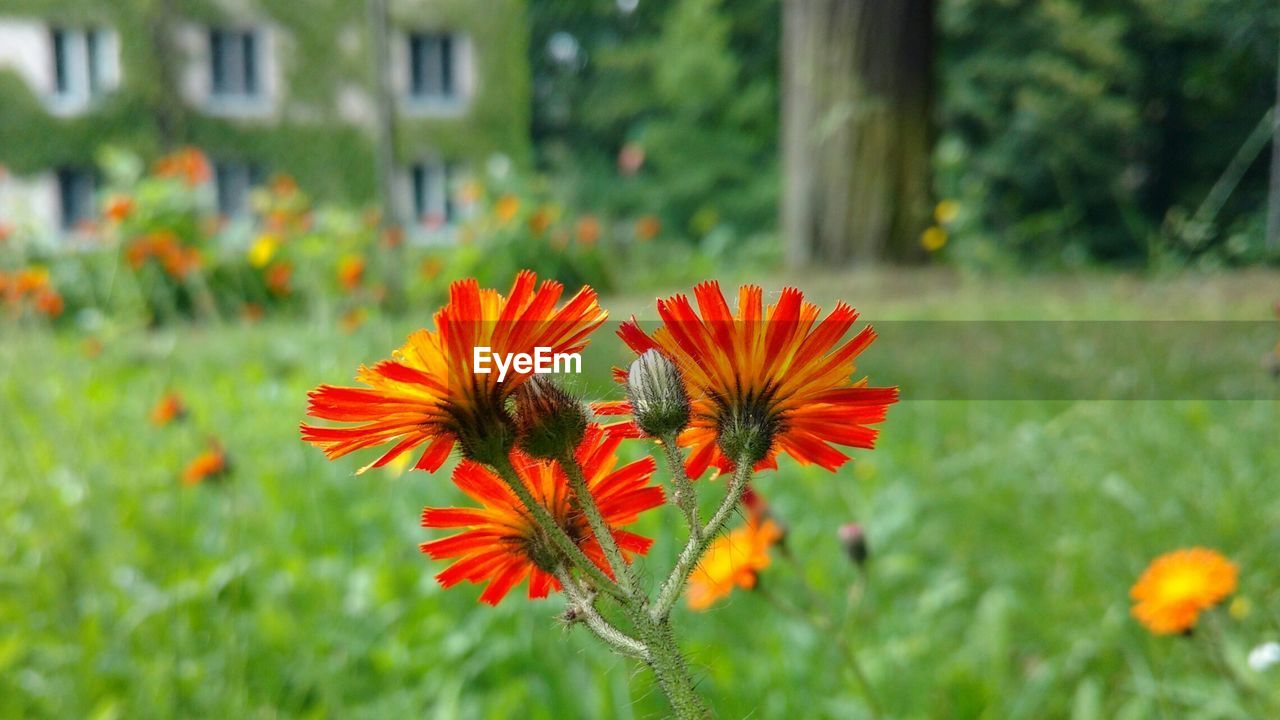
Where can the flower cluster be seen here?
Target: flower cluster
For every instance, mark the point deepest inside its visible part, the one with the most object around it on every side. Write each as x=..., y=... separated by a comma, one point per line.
x=30, y=289
x=553, y=500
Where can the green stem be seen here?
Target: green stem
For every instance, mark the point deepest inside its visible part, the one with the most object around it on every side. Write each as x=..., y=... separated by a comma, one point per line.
x=583, y=604
x=826, y=627
x=699, y=541
x=685, y=497
x=604, y=535
x=670, y=668
x=555, y=533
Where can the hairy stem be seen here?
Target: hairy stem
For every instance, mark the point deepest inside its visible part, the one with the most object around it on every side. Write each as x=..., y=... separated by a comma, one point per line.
x=698, y=542
x=587, y=502
x=583, y=604
x=555, y=533
x=670, y=668
x=685, y=497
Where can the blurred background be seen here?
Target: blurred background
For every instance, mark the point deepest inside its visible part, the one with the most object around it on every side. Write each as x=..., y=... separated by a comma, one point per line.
x=208, y=207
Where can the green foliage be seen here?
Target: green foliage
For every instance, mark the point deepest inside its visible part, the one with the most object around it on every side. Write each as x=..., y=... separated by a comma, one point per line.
x=691, y=86
x=1072, y=127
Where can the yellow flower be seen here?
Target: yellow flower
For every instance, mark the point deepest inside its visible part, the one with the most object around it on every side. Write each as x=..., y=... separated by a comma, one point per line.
x=1177, y=586
x=933, y=239
x=946, y=212
x=506, y=208
x=733, y=560
x=263, y=249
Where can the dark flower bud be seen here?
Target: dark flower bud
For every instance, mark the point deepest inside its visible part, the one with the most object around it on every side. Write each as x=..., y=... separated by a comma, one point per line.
x=746, y=434
x=854, y=540
x=549, y=421
x=659, y=401
x=487, y=440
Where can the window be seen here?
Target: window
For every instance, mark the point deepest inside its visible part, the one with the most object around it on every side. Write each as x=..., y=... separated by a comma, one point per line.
x=75, y=196
x=235, y=65
x=233, y=181
x=430, y=188
x=84, y=64
x=433, y=66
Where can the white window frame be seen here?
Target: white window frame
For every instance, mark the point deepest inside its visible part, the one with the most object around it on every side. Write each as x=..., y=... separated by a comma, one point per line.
x=461, y=75
x=89, y=60
x=430, y=187
x=239, y=99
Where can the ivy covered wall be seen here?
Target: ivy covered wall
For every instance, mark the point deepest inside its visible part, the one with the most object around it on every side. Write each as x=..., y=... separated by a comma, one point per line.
x=323, y=54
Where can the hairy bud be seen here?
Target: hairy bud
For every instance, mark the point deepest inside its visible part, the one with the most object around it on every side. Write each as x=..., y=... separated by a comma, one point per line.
x=854, y=540
x=659, y=401
x=549, y=421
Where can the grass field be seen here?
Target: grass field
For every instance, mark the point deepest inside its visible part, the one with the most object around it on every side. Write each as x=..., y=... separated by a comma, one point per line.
x=1005, y=534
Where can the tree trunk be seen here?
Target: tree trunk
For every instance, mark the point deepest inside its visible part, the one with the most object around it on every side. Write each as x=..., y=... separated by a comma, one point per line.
x=856, y=131
x=1273, y=196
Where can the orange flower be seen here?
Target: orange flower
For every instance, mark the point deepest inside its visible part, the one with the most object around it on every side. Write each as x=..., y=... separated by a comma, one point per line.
x=252, y=312
x=430, y=268
x=48, y=302
x=187, y=164
x=540, y=221
x=353, y=319
x=118, y=208
x=169, y=408
x=502, y=545
x=283, y=184
x=648, y=227
x=350, y=272
x=1177, y=586
x=587, y=230
x=277, y=278
x=771, y=371
x=506, y=208
x=208, y=465
x=429, y=393
x=733, y=560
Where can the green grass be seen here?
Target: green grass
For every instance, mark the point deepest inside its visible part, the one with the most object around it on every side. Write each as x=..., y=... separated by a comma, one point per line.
x=1004, y=534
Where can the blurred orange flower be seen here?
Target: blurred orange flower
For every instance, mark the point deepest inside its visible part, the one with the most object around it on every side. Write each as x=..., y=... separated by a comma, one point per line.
x=505, y=208
x=1177, y=586
x=350, y=272
x=208, y=465
x=252, y=312
x=187, y=164
x=351, y=320
x=283, y=184
x=540, y=221
x=118, y=208
x=648, y=227
x=587, y=230
x=430, y=268
x=168, y=409
x=733, y=560
x=277, y=278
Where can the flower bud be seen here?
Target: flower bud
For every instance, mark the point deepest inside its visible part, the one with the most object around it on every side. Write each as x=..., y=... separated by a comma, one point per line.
x=487, y=437
x=659, y=401
x=746, y=435
x=854, y=540
x=549, y=421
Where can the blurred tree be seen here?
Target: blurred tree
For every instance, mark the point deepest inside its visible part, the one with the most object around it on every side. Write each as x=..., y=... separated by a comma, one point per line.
x=669, y=108
x=856, y=129
x=1075, y=130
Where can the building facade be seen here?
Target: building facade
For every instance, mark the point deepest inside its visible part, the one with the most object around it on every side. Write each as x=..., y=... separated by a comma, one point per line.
x=262, y=86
